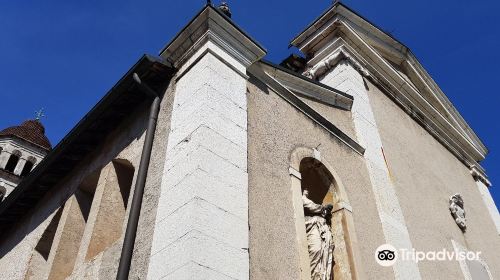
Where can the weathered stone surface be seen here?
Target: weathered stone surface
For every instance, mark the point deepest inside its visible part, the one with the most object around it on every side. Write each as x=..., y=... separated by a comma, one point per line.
x=424, y=171
x=125, y=143
x=275, y=130
x=204, y=187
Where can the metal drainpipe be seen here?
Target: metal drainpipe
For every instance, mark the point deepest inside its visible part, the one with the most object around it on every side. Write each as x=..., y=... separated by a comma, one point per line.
x=135, y=210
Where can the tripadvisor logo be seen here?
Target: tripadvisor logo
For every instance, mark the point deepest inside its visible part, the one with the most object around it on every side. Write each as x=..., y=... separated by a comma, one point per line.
x=387, y=255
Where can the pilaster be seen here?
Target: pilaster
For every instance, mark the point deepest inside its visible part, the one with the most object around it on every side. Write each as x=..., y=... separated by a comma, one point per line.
x=483, y=185
x=201, y=226
x=4, y=157
x=347, y=77
x=20, y=166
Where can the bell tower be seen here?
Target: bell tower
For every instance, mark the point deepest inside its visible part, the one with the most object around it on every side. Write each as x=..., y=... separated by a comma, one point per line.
x=22, y=148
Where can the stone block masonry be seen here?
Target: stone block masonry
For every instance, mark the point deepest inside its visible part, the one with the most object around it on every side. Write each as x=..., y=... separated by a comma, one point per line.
x=202, y=222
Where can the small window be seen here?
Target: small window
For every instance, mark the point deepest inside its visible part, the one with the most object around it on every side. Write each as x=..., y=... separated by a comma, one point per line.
x=13, y=160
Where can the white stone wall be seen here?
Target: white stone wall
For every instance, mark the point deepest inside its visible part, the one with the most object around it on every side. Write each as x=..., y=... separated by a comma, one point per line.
x=201, y=226
x=472, y=270
x=18, y=247
x=346, y=78
x=490, y=204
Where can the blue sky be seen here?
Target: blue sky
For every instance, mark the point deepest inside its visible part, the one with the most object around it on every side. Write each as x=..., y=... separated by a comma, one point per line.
x=65, y=55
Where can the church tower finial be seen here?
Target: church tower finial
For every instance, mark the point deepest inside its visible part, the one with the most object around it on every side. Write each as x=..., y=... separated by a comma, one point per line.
x=39, y=114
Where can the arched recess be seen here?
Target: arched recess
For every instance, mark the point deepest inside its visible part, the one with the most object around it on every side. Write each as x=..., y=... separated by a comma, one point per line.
x=70, y=231
x=28, y=166
x=13, y=161
x=112, y=206
x=325, y=186
x=38, y=266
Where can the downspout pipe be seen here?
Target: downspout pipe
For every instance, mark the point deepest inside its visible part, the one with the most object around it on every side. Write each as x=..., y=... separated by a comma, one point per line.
x=135, y=210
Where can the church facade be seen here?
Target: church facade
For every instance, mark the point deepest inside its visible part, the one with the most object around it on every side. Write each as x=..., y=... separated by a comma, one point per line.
x=209, y=162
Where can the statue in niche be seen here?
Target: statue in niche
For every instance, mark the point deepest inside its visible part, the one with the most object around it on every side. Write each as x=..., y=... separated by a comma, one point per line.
x=319, y=237
x=458, y=211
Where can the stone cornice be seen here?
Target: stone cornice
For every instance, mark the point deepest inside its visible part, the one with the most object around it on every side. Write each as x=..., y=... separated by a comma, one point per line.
x=340, y=34
x=479, y=175
x=21, y=144
x=325, y=65
x=210, y=25
x=258, y=70
x=308, y=87
x=434, y=119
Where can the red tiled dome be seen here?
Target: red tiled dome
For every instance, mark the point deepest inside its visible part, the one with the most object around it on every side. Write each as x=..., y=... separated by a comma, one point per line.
x=31, y=131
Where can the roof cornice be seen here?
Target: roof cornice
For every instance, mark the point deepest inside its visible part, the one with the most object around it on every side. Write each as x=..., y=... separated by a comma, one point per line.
x=269, y=74
x=310, y=88
x=115, y=107
x=342, y=34
x=335, y=12
x=211, y=25
x=21, y=142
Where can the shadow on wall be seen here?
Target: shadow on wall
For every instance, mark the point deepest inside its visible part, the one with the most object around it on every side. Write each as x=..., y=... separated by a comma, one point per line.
x=87, y=224
x=94, y=218
x=110, y=149
x=40, y=257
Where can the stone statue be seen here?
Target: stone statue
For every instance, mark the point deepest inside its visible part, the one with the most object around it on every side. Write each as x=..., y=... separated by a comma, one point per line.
x=224, y=8
x=458, y=211
x=319, y=237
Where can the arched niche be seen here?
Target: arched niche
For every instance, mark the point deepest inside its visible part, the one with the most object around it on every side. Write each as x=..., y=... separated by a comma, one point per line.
x=74, y=219
x=111, y=210
x=308, y=169
x=38, y=266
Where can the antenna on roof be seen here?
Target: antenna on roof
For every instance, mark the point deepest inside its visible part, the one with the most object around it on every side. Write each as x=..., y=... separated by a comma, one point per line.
x=209, y=2
x=39, y=114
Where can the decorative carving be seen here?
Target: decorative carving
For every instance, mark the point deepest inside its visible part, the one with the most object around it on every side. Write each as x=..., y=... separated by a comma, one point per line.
x=319, y=237
x=458, y=211
x=325, y=65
